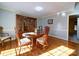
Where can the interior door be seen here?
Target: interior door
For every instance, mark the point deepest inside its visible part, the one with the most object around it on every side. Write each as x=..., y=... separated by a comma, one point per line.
x=78, y=28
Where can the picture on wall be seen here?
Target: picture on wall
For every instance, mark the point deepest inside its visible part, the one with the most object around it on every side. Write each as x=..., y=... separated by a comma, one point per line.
x=50, y=21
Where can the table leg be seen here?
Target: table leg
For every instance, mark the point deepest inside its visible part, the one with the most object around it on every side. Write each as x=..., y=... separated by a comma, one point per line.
x=34, y=42
x=2, y=43
x=10, y=42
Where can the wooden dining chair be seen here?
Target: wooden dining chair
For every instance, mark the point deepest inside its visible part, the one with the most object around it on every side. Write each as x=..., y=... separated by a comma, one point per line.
x=23, y=42
x=4, y=37
x=44, y=39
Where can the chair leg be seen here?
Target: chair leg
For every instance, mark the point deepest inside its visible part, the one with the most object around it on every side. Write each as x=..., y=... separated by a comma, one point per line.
x=16, y=51
x=45, y=46
x=19, y=50
x=29, y=46
x=46, y=43
x=0, y=51
x=2, y=43
x=10, y=43
x=36, y=44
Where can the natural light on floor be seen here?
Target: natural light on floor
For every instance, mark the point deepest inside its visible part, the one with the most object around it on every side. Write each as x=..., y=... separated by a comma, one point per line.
x=11, y=52
x=59, y=51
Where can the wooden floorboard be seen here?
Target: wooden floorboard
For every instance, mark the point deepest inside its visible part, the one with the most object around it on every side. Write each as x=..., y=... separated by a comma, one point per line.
x=57, y=47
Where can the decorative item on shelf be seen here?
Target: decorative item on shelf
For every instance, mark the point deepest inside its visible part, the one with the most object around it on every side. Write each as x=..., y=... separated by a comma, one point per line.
x=40, y=29
x=50, y=21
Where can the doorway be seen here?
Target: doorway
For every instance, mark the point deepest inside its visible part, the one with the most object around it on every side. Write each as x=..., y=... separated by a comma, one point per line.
x=73, y=28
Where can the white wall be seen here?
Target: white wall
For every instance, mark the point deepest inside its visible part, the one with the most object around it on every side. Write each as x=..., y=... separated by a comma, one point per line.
x=59, y=27
x=8, y=21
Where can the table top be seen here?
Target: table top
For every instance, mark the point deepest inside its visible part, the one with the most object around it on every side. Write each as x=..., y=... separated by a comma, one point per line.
x=32, y=34
x=28, y=33
x=36, y=36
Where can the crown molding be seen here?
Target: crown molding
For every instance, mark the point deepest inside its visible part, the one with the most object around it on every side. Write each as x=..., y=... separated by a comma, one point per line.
x=6, y=9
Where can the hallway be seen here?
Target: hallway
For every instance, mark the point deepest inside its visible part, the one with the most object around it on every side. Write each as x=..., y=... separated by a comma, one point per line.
x=74, y=38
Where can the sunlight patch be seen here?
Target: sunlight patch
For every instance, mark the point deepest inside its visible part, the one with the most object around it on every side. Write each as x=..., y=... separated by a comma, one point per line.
x=59, y=51
x=11, y=52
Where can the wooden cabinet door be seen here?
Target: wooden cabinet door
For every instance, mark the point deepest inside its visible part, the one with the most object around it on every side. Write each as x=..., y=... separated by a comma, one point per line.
x=25, y=24
x=19, y=23
x=30, y=24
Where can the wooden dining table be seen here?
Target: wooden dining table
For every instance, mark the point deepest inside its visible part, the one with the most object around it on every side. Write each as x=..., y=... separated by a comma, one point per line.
x=33, y=37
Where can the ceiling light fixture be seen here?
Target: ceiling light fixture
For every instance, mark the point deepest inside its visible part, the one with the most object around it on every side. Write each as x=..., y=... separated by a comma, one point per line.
x=38, y=8
x=58, y=13
x=63, y=14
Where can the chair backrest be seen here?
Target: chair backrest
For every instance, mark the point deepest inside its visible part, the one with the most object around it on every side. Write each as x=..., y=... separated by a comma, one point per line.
x=46, y=30
x=1, y=29
x=2, y=34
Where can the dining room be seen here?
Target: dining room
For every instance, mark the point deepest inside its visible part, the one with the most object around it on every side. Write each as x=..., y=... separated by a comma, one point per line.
x=33, y=29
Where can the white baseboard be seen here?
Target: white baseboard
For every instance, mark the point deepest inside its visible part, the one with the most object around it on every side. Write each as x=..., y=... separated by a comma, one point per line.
x=58, y=37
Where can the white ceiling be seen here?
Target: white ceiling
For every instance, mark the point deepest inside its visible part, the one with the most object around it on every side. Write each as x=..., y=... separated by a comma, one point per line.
x=27, y=8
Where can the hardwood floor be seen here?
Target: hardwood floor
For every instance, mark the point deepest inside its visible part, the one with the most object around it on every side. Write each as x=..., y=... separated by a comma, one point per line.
x=57, y=47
